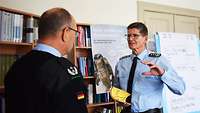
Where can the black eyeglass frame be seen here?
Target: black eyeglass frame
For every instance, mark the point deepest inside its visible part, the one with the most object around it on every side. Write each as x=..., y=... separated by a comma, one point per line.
x=136, y=36
x=73, y=29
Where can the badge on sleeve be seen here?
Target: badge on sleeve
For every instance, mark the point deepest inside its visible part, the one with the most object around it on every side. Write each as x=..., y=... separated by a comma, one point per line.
x=72, y=70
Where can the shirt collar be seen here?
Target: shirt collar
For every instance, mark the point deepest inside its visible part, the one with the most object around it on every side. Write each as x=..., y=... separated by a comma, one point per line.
x=141, y=55
x=47, y=48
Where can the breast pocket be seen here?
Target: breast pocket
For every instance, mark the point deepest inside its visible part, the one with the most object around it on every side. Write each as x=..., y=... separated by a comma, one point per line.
x=153, y=80
x=123, y=81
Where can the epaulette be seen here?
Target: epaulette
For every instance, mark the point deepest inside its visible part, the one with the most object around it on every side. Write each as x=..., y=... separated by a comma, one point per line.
x=124, y=57
x=153, y=54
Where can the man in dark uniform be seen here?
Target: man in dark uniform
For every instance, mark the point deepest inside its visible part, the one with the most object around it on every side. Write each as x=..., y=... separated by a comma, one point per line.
x=43, y=81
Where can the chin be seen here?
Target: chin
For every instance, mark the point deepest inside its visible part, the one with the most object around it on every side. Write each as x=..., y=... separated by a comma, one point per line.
x=132, y=47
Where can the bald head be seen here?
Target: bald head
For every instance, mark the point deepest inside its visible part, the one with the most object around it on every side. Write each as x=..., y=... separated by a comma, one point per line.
x=53, y=20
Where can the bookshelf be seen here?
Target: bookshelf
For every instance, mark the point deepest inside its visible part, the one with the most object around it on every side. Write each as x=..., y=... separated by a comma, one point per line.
x=14, y=48
x=13, y=43
x=83, y=53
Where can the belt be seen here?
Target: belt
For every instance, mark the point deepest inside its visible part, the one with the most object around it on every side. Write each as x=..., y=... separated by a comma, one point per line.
x=155, y=110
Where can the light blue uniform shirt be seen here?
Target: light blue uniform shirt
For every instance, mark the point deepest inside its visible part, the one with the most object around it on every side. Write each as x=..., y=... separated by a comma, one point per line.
x=48, y=49
x=147, y=90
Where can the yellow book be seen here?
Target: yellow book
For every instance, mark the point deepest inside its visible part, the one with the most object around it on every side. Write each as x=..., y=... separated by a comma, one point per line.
x=119, y=95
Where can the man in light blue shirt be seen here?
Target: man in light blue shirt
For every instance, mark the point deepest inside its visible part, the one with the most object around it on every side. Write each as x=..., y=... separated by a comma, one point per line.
x=151, y=73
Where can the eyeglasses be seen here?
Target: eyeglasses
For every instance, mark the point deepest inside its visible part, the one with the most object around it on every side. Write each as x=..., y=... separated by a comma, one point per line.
x=76, y=31
x=133, y=36
x=73, y=29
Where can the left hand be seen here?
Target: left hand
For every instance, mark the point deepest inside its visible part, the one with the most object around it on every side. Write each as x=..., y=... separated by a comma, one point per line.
x=154, y=69
x=126, y=104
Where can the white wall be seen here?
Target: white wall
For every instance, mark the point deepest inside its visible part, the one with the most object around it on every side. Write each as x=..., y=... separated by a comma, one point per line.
x=118, y=12
x=190, y=4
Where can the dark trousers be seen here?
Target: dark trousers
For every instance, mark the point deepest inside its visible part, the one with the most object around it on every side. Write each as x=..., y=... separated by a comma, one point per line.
x=155, y=110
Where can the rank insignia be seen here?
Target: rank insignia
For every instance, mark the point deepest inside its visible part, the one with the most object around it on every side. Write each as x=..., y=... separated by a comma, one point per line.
x=154, y=54
x=72, y=70
x=124, y=57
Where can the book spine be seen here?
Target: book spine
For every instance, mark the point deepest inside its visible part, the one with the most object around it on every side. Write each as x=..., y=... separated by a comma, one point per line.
x=21, y=28
x=29, y=30
x=90, y=93
x=1, y=69
x=0, y=24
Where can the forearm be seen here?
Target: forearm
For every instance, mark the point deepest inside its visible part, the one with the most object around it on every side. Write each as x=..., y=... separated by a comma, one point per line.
x=174, y=82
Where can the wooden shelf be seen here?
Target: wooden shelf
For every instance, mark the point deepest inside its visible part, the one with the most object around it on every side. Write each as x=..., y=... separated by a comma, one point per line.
x=18, y=12
x=89, y=77
x=92, y=107
x=100, y=104
x=83, y=51
x=15, y=48
x=15, y=43
x=89, y=80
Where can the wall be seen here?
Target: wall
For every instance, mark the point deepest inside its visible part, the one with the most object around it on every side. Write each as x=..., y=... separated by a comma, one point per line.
x=117, y=12
x=190, y=4
x=85, y=11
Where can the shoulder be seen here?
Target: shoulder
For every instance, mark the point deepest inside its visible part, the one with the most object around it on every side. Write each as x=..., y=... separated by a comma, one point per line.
x=125, y=57
x=124, y=60
x=64, y=62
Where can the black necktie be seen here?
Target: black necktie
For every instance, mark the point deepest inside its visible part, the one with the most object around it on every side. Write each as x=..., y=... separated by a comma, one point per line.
x=131, y=77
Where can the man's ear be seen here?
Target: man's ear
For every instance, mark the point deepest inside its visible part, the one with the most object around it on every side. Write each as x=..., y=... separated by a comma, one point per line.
x=65, y=35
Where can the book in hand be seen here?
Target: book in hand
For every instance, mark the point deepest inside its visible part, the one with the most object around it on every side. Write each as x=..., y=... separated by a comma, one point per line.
x=119, y=95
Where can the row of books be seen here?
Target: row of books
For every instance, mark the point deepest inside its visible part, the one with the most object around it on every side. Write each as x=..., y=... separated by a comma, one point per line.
x=5, y=63
x=90, y=96
x=11, y=26
x=85, y=65
x=83, y=38
x=17, y=28
x=103, y=110
x=106, y=110
x=96, y=98
x=103, y=97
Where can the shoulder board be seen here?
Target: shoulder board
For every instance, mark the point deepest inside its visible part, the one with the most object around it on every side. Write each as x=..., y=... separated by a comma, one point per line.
x=154, y=54
x=124, y=57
